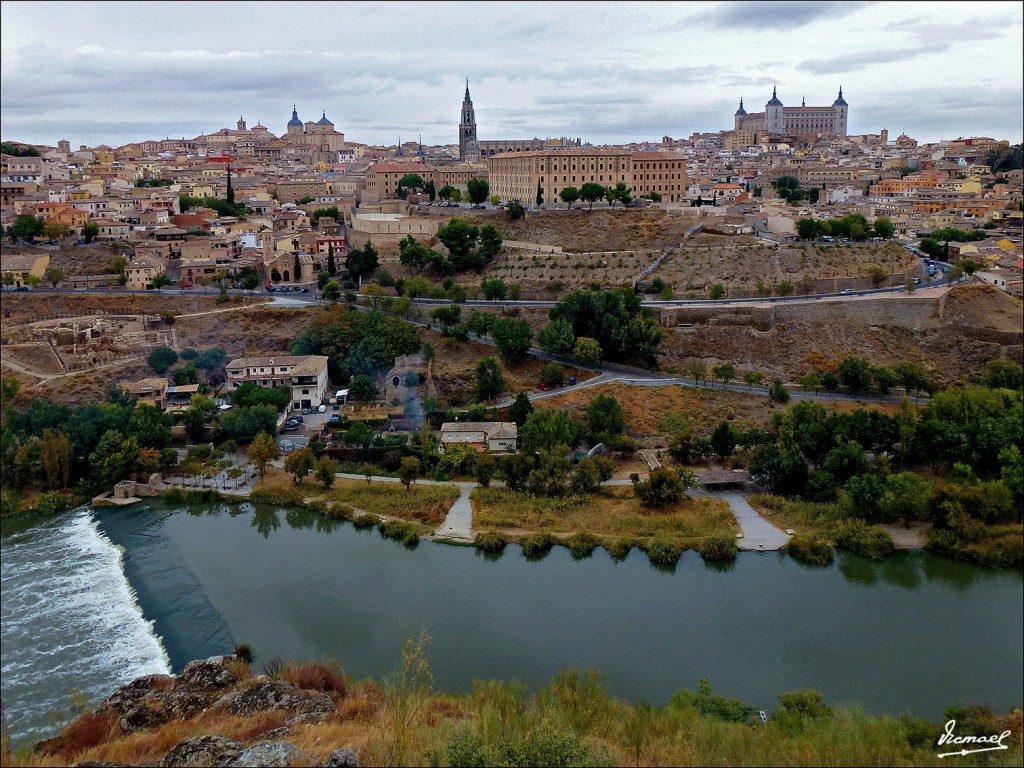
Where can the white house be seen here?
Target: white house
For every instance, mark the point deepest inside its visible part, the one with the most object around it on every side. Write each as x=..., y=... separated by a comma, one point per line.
x=304, y=375
x=491, y=436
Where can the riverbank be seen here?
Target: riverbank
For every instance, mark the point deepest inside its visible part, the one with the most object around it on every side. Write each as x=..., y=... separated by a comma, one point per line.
x=218, y=711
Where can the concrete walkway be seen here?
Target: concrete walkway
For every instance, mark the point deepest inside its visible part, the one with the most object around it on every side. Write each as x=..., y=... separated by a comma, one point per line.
x=758, y=534
x=459, y=522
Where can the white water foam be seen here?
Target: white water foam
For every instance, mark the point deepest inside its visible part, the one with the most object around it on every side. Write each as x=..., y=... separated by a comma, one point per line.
x=69, y=622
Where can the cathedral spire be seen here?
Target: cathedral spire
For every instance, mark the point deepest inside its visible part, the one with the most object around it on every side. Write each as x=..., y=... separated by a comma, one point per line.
x=467, y=89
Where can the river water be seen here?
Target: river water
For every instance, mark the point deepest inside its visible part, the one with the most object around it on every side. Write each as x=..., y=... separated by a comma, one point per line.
x=913, y=633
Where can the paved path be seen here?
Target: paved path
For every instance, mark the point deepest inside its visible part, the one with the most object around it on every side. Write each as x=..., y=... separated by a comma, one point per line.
x=459, y=522
x=758, y=534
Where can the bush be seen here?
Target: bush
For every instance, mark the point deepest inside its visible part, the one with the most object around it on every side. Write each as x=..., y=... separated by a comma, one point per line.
x=282, y=497
x=536, y=544
x=317, y=677
x=664, y=551
x=490, y=541
x=344, y=511
x=812, y=551
x=365, y=521
x=711, y=704
x=399, y=530
x=871, y=541
x=718, y=548
x=582, y=545
x=317, y=505
x=621, y=548
x=52, y=502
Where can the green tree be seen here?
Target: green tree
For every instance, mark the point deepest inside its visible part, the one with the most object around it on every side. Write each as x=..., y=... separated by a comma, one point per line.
x=885, y=379
x=331, y=291
x=55, y=454
x=409, y=471
x=540, y=195
x=162, y=358
x=785, y=288
x=478, y=190
x=591, y=193
x=723, y=439
x=549, y=476
x=605, y=419
x=552, y=374
x=332, y=267
x=490, y=382
x=27, y=227
x=460, y=238
x=569, y=195
x=54, y=276
x=543, y=430
x=520, y=409
x=905, y=497
x=89, y=231
x=620, y=193
x=662, y=488
x=494, y=289
x=883, y=227
x=726, y=372
x=557, y=338
x=515, y=210
x=326, y=472
x=230, y=194
x=409, y=181
x=160, y=279
x=362, y=387
x=855, y=374
x=262, y=450
x=716, y=291
x=752, y=378
x=299, y=464
x=512, y=337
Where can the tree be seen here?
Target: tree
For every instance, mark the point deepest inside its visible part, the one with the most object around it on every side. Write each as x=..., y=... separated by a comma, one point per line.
x=296, y=269
x=587, y=351
x=332, y=267
x=520, y=409
x=726, y=372
x=723, y=439
x=362, y=261
x=326, y=472
x=54, y=276
x=299, y=464
x=557, y=337
x=409, y=181
x=569, y=195
x=516, y=469
x=662, y=488
x=477, y=189
x=778, y=392
x=446, y=192
x=905, y=497
x=431, y=190
x=448, y=316
x=230, y=192
x=160, y=279
x=855, y=374
x=409, y=471
x=540, y=195
x=27, y=227
x=362, y=387
x=785, y=288
x=494, y=289
x=549, y=476
x=883, y=227
x=750, y=378
x=552, y=374
x=515, y=210
x=512, y=338
x=89, y=231
x=331, y=291
x=591, y=193
x=489, y=379
x=605, y=419
x=55, y=454
x=698, y=369
x=716, y=291
x=460, y=238
x=620, y=193
x=262, y=451
x=484, y=466
x=275, y=275
x=543, y=430
x=162, y=358
x=885, y=379
x=785, y=475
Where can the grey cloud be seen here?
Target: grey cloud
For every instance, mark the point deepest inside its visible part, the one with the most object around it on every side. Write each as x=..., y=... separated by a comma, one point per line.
x=761, y=16
x=855, y=62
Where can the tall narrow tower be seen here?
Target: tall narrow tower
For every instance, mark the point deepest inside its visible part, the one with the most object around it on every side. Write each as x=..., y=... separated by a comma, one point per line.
x=467, y=129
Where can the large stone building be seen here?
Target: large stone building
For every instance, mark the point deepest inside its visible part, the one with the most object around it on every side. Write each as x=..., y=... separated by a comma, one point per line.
x=472, y=150
x=317, y=142
x=778, y=119
x=304, y=375
x=516, y=176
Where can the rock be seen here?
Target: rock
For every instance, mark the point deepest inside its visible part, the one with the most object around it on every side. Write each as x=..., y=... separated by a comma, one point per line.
x=272, y=735
x=135, y=690
x=158, y=707
x=206, y=674
x=268, y=694
x=203, y=751
x=272, y=754
x=343, y=758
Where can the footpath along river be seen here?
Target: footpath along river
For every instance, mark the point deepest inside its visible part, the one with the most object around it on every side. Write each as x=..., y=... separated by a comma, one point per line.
x=913, y=633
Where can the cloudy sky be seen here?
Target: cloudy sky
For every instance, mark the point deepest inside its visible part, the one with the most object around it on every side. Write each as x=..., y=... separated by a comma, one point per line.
x=96, y=72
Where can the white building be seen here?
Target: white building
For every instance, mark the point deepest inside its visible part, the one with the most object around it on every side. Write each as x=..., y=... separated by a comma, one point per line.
x=304, y=375
x=491, y=436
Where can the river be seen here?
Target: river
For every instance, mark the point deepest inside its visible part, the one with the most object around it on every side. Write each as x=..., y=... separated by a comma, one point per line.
x=913, y=633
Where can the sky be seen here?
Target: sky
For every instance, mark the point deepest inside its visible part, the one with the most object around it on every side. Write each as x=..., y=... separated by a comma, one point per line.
x=616, y=72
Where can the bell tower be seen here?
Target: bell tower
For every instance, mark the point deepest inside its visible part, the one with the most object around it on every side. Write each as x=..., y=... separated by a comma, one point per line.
x=468, y=146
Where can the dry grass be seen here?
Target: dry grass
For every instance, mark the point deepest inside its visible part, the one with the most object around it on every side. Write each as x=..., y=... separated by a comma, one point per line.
x=253, y=330
x=984, y=306
x=426, y=504
x=612, y=513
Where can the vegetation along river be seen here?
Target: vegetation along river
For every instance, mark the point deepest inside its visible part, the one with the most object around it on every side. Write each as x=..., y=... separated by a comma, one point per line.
x=93, y=599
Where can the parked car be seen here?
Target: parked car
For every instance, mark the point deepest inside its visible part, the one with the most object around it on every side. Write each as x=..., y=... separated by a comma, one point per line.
x=297, y=418
x=336, y=407
x=21, y=289
x=945, y=269
x=321, y=409
x=572, y=380
x=846, y=292
x=544, y=387
x=306, y=411
x=186, y=284
x=335, y=418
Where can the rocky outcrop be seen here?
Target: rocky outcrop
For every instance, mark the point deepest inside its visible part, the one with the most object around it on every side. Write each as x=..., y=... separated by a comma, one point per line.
x=203, y=751
x=266, y=693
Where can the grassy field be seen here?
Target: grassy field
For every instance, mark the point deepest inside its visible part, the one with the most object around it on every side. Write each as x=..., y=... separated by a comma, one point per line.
x=613, y=513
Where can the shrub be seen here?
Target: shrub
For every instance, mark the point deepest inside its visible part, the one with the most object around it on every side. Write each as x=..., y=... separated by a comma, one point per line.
x=582, y=545
x=812, y=551
x=243, y=652
x=365, y=521
x=871, y=541
x=282, y=497
x=344, y=511
x=664, y=550
x=317, y=505
x=86, y=731
x=536, y=544
x=317, y=677
x=490, y=541
x=718, y=548
x=621, y=548
x=53, y=501
x=399, y=530
x=711, y=704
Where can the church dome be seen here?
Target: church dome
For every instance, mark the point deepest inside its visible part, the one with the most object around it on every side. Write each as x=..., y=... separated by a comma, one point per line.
x=323, y=120
x=294, y=122
x=775, y=100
